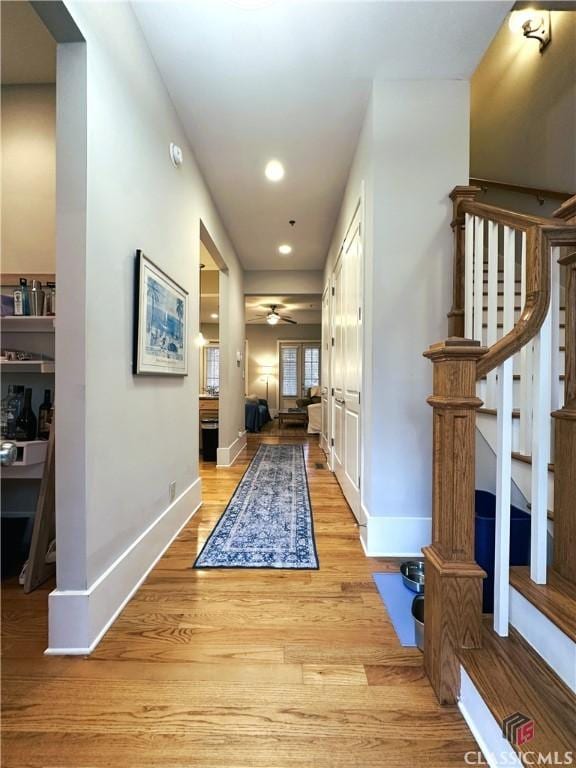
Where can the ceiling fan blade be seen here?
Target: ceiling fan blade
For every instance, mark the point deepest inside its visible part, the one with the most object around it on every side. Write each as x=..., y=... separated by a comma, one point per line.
x=287, y=320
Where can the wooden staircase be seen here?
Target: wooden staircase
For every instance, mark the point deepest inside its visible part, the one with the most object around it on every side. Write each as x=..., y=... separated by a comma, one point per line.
x=509, y=677
x=510, y=369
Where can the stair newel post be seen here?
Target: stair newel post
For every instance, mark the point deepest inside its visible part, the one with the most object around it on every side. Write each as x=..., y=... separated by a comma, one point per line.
x=453, y=603
x=456, y=314
x=565, y=441
x=565, y=422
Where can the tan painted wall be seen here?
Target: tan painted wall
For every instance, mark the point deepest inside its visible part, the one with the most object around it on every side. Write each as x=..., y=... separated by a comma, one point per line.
x=28, y=179
x=263, y=350
x=523, y=111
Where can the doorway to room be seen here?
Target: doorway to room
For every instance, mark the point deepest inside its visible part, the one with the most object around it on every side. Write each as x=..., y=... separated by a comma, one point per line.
x=299, y=366
x=284, y=341
x=209, y=355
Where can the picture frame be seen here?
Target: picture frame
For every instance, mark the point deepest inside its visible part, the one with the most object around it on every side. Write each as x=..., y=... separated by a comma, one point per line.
x=160, y=322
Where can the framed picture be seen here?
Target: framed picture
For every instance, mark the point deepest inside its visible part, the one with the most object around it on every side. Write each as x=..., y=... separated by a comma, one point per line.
x=160, y=323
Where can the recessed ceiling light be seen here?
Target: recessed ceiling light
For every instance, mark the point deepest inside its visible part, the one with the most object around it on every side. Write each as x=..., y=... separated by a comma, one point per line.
x=285, y=249
x=274, y=170
x=214, y=316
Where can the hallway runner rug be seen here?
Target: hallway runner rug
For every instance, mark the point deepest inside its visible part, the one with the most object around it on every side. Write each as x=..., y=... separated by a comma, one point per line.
x=268, y=522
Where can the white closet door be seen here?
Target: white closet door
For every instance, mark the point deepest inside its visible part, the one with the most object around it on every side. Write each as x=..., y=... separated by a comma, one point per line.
x=325, y=378
x=347, y=368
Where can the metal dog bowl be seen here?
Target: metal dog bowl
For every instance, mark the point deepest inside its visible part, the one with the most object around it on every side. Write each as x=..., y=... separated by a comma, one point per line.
x=418, y=616
x=413, y=575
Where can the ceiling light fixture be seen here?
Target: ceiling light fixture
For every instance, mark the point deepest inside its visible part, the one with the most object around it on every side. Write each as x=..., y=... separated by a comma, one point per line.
x=214, y=316
x=533, y=24
x=285, y=249
x=273, y=318
x=274, y=170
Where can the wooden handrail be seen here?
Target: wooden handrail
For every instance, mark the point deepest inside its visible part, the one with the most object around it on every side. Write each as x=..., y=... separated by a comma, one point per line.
x=541, y=234
x=538, y=192
x=521, y=221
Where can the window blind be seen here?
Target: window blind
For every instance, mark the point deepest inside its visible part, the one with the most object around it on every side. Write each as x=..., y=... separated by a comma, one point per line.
x=212, y=367
x=289, y=371
x=311, y=367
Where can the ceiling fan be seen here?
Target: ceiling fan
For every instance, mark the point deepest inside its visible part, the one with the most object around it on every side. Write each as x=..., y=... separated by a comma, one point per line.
x=273, y=317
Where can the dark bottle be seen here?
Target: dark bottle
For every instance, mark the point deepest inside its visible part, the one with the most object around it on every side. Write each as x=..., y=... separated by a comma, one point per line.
x=26, y=423
x=25, y=296
x=14, y=405
x=45, y=417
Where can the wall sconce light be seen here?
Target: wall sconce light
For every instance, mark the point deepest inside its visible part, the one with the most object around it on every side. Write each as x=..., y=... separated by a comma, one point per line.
x=532, y=23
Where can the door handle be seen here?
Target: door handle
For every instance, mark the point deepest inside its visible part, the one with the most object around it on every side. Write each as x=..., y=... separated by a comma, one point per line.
x=340, y=401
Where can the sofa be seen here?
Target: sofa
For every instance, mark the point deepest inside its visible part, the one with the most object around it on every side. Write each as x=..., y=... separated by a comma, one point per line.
x=256, y=413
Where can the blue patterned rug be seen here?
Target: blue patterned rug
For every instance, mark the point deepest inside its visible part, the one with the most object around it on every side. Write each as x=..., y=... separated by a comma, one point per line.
x=268, y=522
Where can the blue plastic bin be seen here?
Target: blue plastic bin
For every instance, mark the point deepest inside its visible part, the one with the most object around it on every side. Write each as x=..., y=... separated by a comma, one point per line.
x=485, y=543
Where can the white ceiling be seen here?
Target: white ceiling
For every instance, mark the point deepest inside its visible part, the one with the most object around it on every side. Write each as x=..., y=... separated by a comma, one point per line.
x=290, y=79
x=306, y=310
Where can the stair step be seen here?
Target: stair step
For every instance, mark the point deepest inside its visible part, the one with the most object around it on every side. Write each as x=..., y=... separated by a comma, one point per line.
x=494, y=412
x=528, y=459
x=556, y=599
x=511, y=678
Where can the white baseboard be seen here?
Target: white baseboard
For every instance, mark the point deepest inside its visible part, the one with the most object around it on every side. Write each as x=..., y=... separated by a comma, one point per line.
x=485, y=728
x=225, y=457
x=78, y=619
x=556, y=648
x=394, y=536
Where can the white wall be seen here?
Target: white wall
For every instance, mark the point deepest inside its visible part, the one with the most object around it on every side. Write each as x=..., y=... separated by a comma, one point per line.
x=263, y=351
x=28, y=179
x=413, y=150
x=524, y=109
x=134, y=435
x=283, y=281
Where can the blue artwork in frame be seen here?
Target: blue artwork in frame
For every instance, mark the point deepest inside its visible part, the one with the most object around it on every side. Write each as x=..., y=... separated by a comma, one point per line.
x=161, y=322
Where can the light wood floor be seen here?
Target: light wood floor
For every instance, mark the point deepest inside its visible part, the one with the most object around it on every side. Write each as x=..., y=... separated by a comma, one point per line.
x=232, y=668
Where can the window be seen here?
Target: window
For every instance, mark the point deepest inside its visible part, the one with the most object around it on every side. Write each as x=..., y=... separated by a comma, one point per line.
x=311, y=367
x=299, y=369
x=212, y=369
x=289, y=368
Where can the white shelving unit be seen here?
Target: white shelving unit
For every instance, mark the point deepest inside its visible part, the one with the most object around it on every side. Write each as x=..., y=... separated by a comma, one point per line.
x=28, y=323
x=27, y=366
x=30, y=462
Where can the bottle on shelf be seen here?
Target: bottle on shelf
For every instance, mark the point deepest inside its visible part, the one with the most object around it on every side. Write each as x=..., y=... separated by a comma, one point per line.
x=26, y=422
x=25, y=296
x=4, y=410
x=14, y=405
x=18, y=296
x=45, y=416
x=50, y=303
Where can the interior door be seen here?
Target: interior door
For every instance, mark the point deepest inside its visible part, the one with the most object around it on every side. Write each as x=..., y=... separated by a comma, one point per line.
x=326, y=361
x=347, y=365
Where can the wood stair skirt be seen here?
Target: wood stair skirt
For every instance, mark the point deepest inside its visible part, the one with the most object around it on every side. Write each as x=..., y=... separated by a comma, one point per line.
x=512, y=679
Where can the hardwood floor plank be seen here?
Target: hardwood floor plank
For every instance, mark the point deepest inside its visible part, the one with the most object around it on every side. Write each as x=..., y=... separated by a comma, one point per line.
x=232, y=668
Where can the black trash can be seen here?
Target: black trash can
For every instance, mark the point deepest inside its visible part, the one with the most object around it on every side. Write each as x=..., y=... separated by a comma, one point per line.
x=209, y=439
x=485, y=543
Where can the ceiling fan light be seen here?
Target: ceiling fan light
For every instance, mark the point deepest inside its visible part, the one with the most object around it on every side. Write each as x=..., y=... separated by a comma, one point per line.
x=272, y=318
